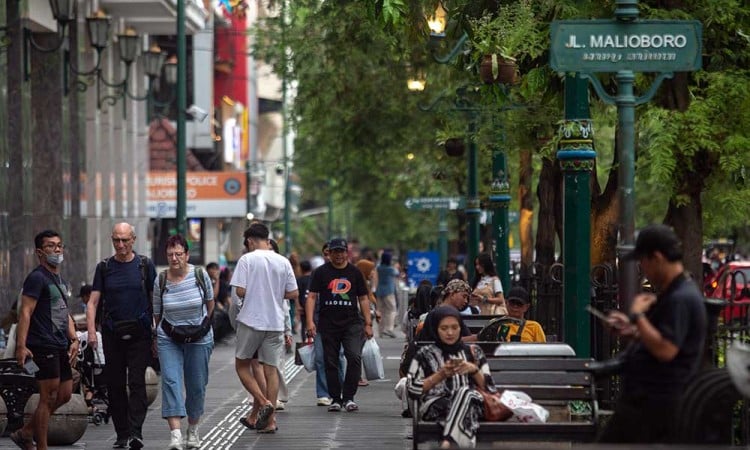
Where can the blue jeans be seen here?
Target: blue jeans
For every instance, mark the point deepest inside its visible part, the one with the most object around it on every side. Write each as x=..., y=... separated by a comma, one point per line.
x=183, y=364
x=321, y=385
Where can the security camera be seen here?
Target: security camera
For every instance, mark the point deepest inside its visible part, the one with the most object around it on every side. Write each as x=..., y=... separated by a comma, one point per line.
x=279, y=169
x=197, y=112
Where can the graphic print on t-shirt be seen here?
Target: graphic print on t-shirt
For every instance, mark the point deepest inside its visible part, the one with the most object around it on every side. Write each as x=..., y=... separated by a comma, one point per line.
x=339, y=288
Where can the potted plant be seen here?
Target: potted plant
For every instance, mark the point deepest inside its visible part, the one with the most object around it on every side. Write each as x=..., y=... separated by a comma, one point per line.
x=498, y=39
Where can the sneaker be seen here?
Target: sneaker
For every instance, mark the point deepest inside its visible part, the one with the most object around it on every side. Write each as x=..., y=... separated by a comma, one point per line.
x=335, y=407
x=324, y=401
x=121, y=443
x=388, y=333
x=350, y=406
x=193, y=440
x=279, y=405
x=135, y=443
x=175, y=443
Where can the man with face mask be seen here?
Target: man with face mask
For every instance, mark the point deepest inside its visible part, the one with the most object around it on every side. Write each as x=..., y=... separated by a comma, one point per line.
x=124, y=282
x=46, y=343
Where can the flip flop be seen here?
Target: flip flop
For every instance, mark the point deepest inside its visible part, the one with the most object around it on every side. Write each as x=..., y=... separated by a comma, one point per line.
x=269, y=430
x=22, y=442
x=264, y=415
x=249, y=425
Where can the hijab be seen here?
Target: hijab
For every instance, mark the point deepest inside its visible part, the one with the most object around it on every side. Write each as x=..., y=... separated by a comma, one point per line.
x=436, y=316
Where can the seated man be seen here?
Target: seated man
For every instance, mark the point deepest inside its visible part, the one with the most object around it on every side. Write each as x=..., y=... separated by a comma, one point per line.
x=518, y=303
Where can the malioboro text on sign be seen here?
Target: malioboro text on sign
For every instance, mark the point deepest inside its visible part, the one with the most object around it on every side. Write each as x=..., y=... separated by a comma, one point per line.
x=611, y=46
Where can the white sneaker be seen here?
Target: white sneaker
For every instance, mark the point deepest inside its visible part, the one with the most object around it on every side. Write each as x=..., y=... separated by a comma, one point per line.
x=193, y=440
x=324, y=401
x=175, y=442
x=279, y=405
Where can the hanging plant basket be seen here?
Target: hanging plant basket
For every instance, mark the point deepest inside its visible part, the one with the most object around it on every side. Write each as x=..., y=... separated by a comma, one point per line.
x=454, y=147
x=496, y=69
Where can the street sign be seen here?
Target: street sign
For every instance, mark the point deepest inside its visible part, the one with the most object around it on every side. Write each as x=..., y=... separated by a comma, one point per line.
x=421, y=266
x=613, y=45
x=435, y=203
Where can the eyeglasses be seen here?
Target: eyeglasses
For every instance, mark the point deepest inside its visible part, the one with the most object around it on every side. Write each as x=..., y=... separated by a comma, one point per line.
x=515, y=302
x=175, y=255
x=121, y=240
x=54, y=246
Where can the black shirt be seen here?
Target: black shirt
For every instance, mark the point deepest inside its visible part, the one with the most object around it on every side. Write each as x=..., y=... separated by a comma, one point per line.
x=680, y=316
x=125, y=293
x=48, y=327
x=339, y=291
x=303, y=284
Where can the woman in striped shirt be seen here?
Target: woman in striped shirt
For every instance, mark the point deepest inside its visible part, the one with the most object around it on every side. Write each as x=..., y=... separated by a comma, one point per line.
x=181, y=299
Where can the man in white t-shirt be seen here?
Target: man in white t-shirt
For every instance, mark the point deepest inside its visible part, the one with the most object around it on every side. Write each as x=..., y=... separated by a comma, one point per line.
x=263, y=279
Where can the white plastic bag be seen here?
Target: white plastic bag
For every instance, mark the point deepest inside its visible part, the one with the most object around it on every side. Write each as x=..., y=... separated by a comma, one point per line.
x=524, y=410
x=372, y=361
x=307, y=355
x=10, y=344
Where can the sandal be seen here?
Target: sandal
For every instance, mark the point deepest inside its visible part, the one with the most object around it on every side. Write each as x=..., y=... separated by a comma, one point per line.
x=21, y=441
x=264, y=415
x=269, y=430
x=249, y=425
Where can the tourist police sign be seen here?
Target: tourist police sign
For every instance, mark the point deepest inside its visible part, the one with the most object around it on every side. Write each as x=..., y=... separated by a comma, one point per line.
x=612, y=45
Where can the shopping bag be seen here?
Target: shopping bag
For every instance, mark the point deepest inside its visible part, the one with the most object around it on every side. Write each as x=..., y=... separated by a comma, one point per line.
x=372, y=361
x=306, y=353
x=10, y=344
x=524, y=410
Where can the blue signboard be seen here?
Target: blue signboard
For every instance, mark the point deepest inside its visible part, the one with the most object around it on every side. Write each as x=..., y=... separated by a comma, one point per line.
x=422, y=266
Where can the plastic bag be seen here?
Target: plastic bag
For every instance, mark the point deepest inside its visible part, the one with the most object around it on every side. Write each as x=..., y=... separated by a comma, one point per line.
x=524, y=410
x=372, y=361
x=307, y=355
x=10, y=343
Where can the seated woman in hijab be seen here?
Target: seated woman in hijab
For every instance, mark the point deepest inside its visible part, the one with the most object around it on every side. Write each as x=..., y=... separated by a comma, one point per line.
x=444, y=376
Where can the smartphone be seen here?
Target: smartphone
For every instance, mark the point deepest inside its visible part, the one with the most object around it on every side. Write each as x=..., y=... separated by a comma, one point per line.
x=596, y=313
x=30, y=367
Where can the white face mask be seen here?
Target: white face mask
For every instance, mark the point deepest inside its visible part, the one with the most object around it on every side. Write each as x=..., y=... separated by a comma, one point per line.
x=55, y=259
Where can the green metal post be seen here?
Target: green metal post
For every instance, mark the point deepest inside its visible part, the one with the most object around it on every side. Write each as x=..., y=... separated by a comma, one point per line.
x=181, y=107
x=443, y=236
x=625, y=100
x=499, y=201
x=284, y=142
x=472, y=201
x=576, y=156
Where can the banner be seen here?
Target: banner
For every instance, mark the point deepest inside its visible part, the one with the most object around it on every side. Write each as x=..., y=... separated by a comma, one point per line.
x=209, y=194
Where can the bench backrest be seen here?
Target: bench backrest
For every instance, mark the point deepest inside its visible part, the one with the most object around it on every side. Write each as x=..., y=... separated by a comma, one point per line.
x=545, y=378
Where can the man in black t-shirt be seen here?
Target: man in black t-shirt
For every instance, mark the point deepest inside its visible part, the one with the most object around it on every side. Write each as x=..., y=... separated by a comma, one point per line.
x=46, y=333
x=668, y=332
x=340, y=286
x=124, y=282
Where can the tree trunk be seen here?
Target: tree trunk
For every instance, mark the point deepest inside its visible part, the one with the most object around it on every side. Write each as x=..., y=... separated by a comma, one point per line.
x=549, y=193
x=687, y=221
x=526, y=202
x=605, y=216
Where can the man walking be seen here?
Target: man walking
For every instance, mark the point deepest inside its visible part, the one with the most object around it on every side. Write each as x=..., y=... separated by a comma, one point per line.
x=668, y=331
x=124, y=283
x=340, y=286
x=263, y=279
x=46, y=343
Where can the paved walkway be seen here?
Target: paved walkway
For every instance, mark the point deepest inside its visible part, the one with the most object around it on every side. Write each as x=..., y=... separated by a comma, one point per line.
x=302, y=425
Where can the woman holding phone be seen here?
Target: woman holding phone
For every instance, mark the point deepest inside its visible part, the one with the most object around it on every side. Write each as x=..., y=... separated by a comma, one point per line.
x=445, y=376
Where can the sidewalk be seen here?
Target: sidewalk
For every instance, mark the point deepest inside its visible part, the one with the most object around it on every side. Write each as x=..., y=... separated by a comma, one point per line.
x=302, y=425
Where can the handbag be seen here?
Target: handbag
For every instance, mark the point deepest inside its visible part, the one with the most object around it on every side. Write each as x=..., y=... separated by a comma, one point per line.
x=494, y=409
x=185, y=334
x=127, y=330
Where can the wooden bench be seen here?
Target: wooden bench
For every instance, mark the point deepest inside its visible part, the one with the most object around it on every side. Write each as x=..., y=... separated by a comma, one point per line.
x=552, y=382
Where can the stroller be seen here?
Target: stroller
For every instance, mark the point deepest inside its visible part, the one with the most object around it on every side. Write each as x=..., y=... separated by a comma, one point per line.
x=93, y=389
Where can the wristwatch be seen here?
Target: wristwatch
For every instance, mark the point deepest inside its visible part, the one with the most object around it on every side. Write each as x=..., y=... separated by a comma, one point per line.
x=633, y=317
x=484, y=299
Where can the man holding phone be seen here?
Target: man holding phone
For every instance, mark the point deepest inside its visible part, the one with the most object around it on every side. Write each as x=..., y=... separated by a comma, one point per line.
x=668, y=330
x=46, y=342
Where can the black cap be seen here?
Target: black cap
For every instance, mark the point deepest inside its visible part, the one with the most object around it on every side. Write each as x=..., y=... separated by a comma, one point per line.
x=518, y=293
x=338, y=244
x=656, y=238
x=85, y=290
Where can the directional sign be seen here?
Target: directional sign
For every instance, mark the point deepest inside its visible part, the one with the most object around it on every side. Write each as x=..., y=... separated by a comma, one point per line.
x=435, y=203
x=612, y=45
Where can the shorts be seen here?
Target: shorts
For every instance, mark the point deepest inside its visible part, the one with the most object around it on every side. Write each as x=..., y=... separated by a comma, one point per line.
x=269, y=345
x=53, y=363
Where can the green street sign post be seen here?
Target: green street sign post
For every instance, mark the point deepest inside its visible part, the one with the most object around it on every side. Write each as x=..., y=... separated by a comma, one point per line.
x=442, y=204
x=611, y=46
x=623, y=46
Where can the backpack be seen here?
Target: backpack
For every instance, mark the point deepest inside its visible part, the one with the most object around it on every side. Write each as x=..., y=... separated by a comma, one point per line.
x=199, y=281
x=185, y=333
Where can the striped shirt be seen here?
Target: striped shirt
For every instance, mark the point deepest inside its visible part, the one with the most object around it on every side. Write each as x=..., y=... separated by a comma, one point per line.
x=183, y=301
